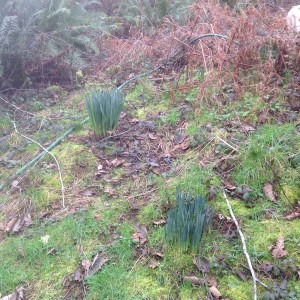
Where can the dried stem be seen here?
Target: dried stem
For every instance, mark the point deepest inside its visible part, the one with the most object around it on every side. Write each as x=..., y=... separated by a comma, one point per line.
x=254, y=278
x=56, y=161
x=16, y=107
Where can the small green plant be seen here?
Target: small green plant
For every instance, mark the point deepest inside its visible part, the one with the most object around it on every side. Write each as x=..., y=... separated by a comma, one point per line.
x=104, y=108
x=171, y=118
x=188, y=222
x=276, y=292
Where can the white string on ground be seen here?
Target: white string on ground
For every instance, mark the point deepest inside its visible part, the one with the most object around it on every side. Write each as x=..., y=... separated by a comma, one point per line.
x=56, y=161
x=254, y=278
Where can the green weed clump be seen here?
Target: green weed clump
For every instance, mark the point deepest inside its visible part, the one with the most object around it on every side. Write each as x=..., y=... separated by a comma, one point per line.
x=188, y=222
x=104, y=109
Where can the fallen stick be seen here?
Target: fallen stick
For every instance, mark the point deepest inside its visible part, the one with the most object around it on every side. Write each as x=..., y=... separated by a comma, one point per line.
x=254, y=278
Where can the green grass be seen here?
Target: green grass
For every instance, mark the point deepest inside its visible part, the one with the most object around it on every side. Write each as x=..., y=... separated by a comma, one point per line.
x=27, y=258
x=5, y=124
x=115, y=273
x=171, y=118
x=148, y=213
x=143, y=93
x=108, y=224
x=267, y=153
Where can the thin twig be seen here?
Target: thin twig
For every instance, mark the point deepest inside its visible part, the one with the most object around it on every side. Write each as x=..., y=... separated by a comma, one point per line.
x=230, y=146
x=115, y=135
x=254, y=278
x=56, y=161
x=17, y=108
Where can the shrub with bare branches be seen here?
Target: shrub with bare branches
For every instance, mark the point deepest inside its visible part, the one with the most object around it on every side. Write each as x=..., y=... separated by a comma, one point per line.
x=258, y=45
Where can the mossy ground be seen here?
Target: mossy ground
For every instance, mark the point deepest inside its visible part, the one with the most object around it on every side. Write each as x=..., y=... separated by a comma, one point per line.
x=102, y=221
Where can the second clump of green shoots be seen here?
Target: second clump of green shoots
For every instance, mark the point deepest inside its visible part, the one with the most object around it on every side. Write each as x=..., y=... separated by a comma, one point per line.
x=188, y=222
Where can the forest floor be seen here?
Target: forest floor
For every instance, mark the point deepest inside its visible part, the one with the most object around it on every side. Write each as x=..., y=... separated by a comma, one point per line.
x=107, y=242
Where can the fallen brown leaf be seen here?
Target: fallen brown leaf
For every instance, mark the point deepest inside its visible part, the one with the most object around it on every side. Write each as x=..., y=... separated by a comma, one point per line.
x=269, y=192
x=72, y=210
x=52, y=166
x=159, y=222
x=279, y=251
x=248, y=128
x=15, y=183
x=55, y=206
x=242, y=275
x=153, y=265
x=229, y=186
x=134, y=120
x=185, y=145
x=135, y=237
x=203, y=265
x=193, y=279
x=109, y=191
x=86, y=264
x=293, y=214
x=156, y=171
x=141, y=235
x=78, y=274
x=180, y=138
x=158, y=254
x=2, y=227
x=97, y=216
x=98, y=262
x=11, y=224
x=214, y=291
x=211, y=281
x=152, y=136
x=88, y=193
x=117, y=162
x=15, y=225
x=127, y=164
x=99, y=173
x=27, y=220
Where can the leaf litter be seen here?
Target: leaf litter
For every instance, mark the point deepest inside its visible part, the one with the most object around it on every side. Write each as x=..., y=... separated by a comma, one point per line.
x=140, y=236
x=17, y=295
x=294, y=214
x=279, y=251
x=15, y=225
x=89, y=268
